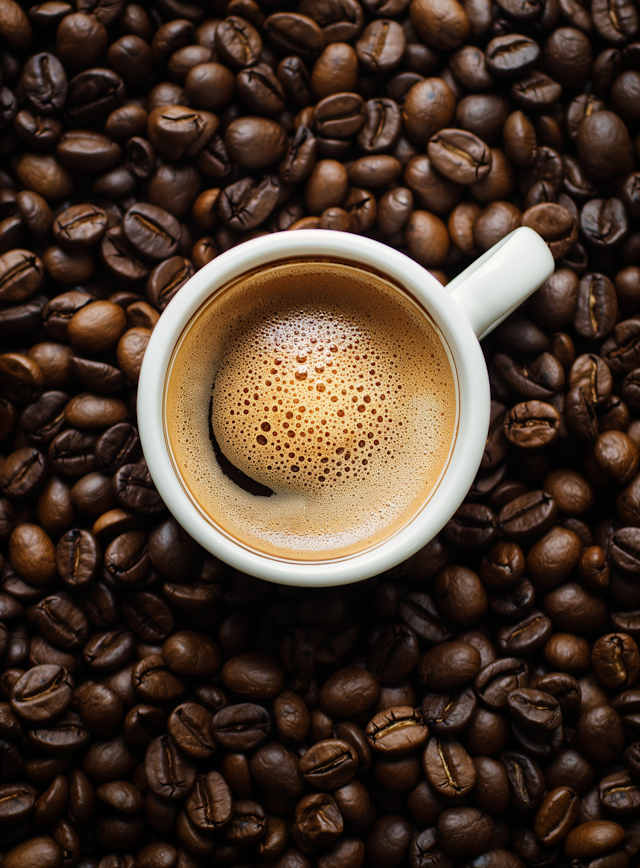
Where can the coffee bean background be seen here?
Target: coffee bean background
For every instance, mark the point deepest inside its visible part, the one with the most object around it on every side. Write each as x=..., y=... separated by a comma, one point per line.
x=477, y=706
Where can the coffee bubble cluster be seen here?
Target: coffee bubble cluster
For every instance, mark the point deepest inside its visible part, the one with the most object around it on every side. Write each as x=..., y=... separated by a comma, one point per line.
x=311, y=406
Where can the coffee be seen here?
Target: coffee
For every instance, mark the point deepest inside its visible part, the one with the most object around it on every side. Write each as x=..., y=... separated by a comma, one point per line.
x=310, y=409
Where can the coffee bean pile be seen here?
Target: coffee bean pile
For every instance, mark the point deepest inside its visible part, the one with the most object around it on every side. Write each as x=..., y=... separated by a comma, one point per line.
x=478, y=705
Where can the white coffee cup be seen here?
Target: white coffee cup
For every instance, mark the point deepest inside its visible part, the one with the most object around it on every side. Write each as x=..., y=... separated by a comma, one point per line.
x=467, y=309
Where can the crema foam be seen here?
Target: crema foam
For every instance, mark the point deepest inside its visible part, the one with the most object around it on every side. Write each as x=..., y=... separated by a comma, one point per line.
x=311, y=409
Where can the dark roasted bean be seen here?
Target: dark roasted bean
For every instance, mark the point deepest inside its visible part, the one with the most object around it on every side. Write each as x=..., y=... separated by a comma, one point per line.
x=168, y=773
x=210, y=804
x=241, y=727
x=191, y=727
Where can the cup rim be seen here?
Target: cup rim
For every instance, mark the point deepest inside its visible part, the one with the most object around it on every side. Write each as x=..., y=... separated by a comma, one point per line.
x=473, y=403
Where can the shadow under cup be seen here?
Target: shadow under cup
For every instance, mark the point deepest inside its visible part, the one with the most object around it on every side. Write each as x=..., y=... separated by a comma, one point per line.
x=311, y=409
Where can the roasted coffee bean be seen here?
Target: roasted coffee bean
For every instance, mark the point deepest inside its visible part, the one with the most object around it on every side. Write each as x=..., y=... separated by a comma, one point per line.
x=449, y=665
x=93, y=94
x=534, y=709
x=96, y=327
x=67, y=267
x=541, y=379
x=603, y=222
x=109, y=651
x=632, y=759
x=247, y=203
x=619, y=794
x=622, y=347
x=21, y=274
x=42, y=693
x=134, y=489
x=602, y=137
x=241, y=727
x=498, y=679
x=122, y=796
x=300, y=157
x=169, y=774
x=394, y=209
x=191, y=653
x=72, y=452
x=617, y=456
x=210, y=804
x=552, y=558
x=429, y=106
x=593, y=375
x=511, y=55
x=119, y=258
x=450, y=18
x=23, y=318
x=496, y=220
x=329, y=764
x=248, y=824
x=460, y=156
x=615, y=30
x=503, y=567
x=78, y=557
x=394, y=654
x=473, y=526
x=151, y=231
x=615, y=660
x=396, y=731
x=126, y=559
x=37, y=849
x=260, y=90
x=97, y=376
x=275, y=768
x=253, y=676
x=142, y=724
x=348, y=692
x=166, y=279
x=515, y=604
x=432, y=190
x=148, y=616
x=21, y=379
x=318, y=819
x=623, y=549
x=191, y=728
x=60, y=621
x=32, y=554
x=291, y=717
x=464, y=832
x=525, y=781
x=599, y=733
x=593, y=838
x=66, y=734
x=88, y=151
x=381, y=46
x=240, y=138
x=23, y=472
x=44, y=419
x=532, y=424
x=580, y=415
x=448, y=767
x=382, y=126
x=528, y=516
x=339, y=116
x=448, y=713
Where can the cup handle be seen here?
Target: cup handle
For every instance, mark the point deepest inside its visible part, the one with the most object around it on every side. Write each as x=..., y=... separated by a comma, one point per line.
x=501, y=279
